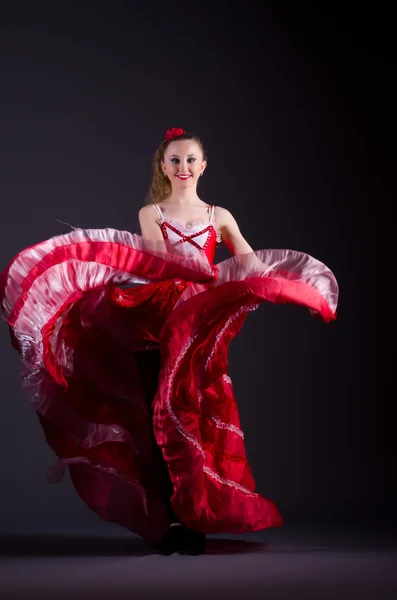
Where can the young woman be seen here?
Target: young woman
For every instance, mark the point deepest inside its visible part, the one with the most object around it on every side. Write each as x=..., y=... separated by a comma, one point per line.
x=130, y=383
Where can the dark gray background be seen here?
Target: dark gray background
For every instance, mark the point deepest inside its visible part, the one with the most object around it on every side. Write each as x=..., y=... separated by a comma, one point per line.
x=293, y=104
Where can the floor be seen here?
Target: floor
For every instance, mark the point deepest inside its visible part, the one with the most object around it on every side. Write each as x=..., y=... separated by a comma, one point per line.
x=299, y=561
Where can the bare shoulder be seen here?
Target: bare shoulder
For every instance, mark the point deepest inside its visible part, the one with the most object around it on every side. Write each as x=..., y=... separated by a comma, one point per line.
x=230, y=231
x=223, y=217
x=149, y=223
x=147, y=213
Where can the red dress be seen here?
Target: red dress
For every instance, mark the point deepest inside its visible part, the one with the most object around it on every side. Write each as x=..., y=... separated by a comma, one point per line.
x=78, y=331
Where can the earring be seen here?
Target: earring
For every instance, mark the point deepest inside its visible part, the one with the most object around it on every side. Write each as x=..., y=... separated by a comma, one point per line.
x=201, y=174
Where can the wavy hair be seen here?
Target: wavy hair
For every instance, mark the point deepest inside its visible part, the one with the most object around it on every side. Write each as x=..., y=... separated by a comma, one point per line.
x=160, y=186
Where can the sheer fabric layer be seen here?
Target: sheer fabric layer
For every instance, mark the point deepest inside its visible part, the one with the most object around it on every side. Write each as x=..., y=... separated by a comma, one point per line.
x=78, y=333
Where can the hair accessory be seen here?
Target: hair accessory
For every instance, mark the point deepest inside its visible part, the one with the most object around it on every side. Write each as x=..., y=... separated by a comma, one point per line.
x=174, y=132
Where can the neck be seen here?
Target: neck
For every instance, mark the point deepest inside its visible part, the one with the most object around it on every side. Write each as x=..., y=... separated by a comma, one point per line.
x=183, y=197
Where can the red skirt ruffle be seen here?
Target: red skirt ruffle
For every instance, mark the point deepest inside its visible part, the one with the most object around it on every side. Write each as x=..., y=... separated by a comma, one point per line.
x=78, y=333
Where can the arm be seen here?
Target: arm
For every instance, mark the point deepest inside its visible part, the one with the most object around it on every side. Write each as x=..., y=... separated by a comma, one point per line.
x=231, y=234
x=150, y=229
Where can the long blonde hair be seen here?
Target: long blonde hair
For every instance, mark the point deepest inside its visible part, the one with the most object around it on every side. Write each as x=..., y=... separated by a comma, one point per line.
x=160, y=186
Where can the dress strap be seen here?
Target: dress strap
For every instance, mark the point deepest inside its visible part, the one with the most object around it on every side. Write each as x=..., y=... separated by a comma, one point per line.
x=212, y=212
x=158, y=210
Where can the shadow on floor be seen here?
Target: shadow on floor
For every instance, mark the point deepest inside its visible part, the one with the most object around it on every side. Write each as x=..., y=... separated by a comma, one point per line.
x=67, y=545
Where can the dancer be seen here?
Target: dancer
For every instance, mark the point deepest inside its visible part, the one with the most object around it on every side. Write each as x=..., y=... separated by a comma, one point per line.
x=124, y=339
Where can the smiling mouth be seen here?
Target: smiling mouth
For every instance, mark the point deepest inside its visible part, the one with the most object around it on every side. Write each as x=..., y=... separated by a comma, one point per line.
x=183, y=176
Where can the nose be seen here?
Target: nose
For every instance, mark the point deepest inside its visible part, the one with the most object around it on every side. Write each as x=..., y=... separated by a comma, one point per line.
x=183, y=166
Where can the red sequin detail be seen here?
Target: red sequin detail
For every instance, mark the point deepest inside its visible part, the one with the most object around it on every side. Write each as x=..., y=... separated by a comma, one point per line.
x=188, y=238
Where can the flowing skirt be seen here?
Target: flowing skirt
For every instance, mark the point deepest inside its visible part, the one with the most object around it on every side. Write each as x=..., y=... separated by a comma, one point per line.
x=105, y=320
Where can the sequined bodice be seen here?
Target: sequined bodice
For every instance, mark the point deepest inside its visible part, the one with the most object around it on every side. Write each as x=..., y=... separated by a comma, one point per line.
x=194, y=239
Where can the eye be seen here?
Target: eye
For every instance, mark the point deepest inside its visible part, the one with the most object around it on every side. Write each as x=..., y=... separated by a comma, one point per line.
x=176, y=160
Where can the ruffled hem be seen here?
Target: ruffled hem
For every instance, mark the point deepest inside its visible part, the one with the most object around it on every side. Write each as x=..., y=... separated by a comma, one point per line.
x=78, y=332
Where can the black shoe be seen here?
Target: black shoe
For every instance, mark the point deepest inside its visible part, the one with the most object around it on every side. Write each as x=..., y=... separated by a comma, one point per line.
x=180, y=538
x=193, y=542
x=172, y=541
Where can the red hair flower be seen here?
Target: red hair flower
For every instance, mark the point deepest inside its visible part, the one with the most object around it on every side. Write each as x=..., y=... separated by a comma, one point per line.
x=172, y=133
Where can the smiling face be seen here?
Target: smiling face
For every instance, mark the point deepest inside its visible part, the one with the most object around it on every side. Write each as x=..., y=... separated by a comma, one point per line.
x=183, y=163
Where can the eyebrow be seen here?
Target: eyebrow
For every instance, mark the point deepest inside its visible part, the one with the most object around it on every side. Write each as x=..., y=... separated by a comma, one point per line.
x=177, y=155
